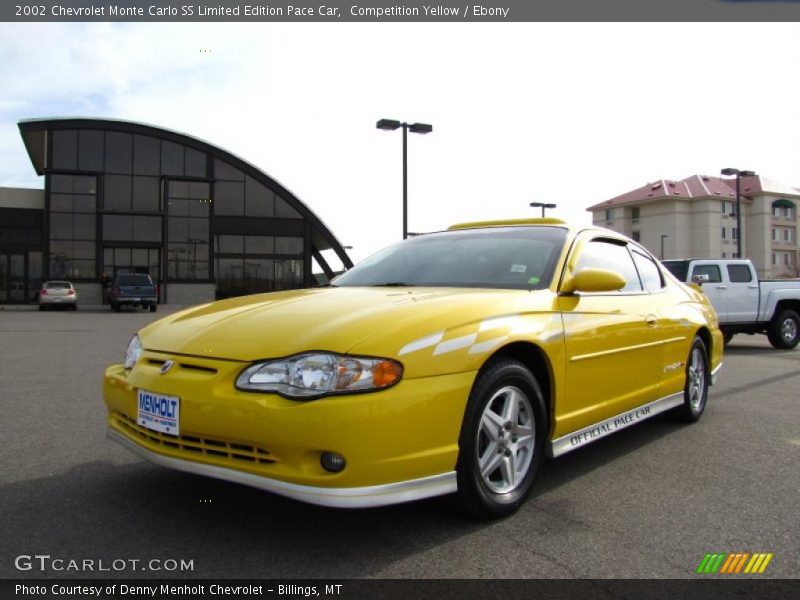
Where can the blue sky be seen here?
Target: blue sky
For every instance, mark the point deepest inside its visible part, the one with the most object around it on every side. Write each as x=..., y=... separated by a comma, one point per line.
x=566, y=113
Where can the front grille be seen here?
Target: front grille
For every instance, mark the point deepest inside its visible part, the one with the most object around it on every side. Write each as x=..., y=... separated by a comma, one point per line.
x=158, y=363
x=234, y=451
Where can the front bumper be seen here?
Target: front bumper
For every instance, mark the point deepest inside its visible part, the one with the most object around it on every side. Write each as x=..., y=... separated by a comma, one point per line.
x=356, y=497
x=400, y=444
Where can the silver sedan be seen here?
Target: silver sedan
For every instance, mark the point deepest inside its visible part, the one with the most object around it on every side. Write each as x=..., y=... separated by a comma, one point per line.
x=58, y=293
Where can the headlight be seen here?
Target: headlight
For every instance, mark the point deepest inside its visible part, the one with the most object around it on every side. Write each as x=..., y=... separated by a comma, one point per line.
x=133, y=352
x=320, y=373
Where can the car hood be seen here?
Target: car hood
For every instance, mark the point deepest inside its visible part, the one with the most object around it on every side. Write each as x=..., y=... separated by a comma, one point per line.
x=365, y=320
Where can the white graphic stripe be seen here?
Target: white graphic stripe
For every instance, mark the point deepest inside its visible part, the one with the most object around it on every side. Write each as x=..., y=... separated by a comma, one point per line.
x=455, y=344
x=487, y=345
x=497, y=323
x=421, y=343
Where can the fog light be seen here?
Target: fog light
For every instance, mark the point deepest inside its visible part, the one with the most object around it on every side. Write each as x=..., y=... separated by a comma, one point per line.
x=333, y=462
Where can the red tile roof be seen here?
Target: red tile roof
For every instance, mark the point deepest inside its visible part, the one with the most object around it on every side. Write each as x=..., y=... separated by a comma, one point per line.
x=697, y=186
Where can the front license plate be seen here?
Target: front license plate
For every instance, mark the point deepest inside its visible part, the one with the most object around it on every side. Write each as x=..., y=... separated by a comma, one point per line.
x=158, y=412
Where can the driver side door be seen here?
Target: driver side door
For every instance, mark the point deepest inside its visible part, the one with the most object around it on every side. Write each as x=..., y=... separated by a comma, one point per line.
x=613, y=351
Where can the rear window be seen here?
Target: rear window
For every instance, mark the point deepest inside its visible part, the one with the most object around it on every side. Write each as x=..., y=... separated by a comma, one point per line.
x=739, y=273
x=134, y=280
x=58, y=285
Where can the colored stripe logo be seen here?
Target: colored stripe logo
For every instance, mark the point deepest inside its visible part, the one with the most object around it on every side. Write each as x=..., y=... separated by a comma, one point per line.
x=733, y=563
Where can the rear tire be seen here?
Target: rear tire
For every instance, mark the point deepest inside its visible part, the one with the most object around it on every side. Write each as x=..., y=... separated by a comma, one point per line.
x=41, y=307
x=153, y=308
x=727, y=337
x=116, y=307
x=784, y=330
x=695, y=390
x=501, y=442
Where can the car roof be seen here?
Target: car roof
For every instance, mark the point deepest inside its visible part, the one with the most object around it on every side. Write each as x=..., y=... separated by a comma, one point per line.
x=508, y=223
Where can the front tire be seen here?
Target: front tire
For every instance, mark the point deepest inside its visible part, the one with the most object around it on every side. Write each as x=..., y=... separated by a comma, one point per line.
x=502, y=440
x=784, y=330
x=695, y=390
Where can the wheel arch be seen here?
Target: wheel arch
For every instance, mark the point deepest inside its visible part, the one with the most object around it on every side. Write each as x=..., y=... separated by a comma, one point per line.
x=704, y=334
x=787, y=304
x=537, y=361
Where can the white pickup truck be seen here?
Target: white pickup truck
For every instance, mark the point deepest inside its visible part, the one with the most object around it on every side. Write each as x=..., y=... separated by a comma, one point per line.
x=743, y=303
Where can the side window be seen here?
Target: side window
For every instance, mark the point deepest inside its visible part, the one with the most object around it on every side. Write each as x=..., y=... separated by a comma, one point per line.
x=714, y=275
x=648, y=270
x=600, y=254
x=739, y=273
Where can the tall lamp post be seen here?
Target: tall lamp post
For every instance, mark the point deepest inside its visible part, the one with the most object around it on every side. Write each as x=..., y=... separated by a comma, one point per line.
x=739, y=174
x=391, y=125
x=543, y=205
x=663, y=237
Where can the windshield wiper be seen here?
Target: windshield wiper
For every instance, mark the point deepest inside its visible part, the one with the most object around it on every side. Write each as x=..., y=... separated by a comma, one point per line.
x=393, y=284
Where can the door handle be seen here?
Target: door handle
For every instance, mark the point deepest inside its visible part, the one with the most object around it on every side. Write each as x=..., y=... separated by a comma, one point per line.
x=722, y=287
x=752, y=287
x=650, y=321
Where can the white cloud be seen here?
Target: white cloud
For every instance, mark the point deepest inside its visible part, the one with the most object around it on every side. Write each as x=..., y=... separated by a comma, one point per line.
x=564, y=113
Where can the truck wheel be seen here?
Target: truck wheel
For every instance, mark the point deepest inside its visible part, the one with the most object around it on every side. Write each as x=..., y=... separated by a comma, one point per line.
x=784, y=330
x=695, y=390
x=501, y=442
x=153, y=308
x=727, y=337
x=116, y=307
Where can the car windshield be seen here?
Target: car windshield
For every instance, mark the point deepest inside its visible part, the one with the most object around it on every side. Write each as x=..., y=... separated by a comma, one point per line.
x=58, y=285
x=134, y=280
x=494, y=257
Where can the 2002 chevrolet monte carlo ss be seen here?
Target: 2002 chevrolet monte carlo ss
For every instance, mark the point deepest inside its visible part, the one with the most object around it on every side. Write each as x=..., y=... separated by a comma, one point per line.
x=448, y=363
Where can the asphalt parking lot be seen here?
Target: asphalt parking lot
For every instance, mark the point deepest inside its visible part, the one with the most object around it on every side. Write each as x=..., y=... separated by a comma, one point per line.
x=649, y=501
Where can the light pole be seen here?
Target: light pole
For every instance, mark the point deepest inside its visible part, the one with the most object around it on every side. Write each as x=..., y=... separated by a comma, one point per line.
x=543, y=205
x=391, y=125
x=663, y=237
x=739, y=174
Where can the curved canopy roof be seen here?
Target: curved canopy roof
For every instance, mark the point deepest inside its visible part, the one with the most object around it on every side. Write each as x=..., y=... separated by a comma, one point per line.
x=34, y=135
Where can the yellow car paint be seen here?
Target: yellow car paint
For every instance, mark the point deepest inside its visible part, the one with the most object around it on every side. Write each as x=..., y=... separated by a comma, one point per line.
x=603, y=353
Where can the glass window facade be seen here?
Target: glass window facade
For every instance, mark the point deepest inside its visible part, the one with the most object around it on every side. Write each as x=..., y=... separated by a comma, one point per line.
x=123, y=196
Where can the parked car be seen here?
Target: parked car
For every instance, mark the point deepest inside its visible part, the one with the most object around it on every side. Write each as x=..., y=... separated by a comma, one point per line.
x=133, y=289
x=61, y=294
x=447, y=363
x=743, y=303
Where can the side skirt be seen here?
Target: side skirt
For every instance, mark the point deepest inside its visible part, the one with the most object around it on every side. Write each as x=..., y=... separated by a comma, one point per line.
x=594, y=432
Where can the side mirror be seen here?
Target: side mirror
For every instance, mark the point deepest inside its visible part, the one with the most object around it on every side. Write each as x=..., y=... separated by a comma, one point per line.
x=594, y=280
x=701, y=279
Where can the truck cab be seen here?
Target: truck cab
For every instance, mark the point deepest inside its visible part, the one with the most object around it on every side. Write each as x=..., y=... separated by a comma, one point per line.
x=743, y=303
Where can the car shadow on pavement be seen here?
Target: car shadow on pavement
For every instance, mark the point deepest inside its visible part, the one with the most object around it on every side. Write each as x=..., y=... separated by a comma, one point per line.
x=137, y=510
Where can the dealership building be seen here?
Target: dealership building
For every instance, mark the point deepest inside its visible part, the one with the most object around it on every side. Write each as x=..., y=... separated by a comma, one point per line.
x=127, y=197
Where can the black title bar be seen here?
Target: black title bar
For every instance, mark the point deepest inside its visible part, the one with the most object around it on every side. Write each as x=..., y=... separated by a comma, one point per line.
x=399, y=11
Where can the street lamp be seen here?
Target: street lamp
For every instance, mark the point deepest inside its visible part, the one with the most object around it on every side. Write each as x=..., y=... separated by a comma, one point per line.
x=391, y=125
x=543, y=205
x=739, y=174
x=663, y=237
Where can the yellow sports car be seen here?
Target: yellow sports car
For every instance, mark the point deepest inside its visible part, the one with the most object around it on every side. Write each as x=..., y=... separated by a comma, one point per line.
x=448, y=363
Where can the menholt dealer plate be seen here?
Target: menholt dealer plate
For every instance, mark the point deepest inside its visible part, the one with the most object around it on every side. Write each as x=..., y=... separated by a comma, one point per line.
x=159, y=412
